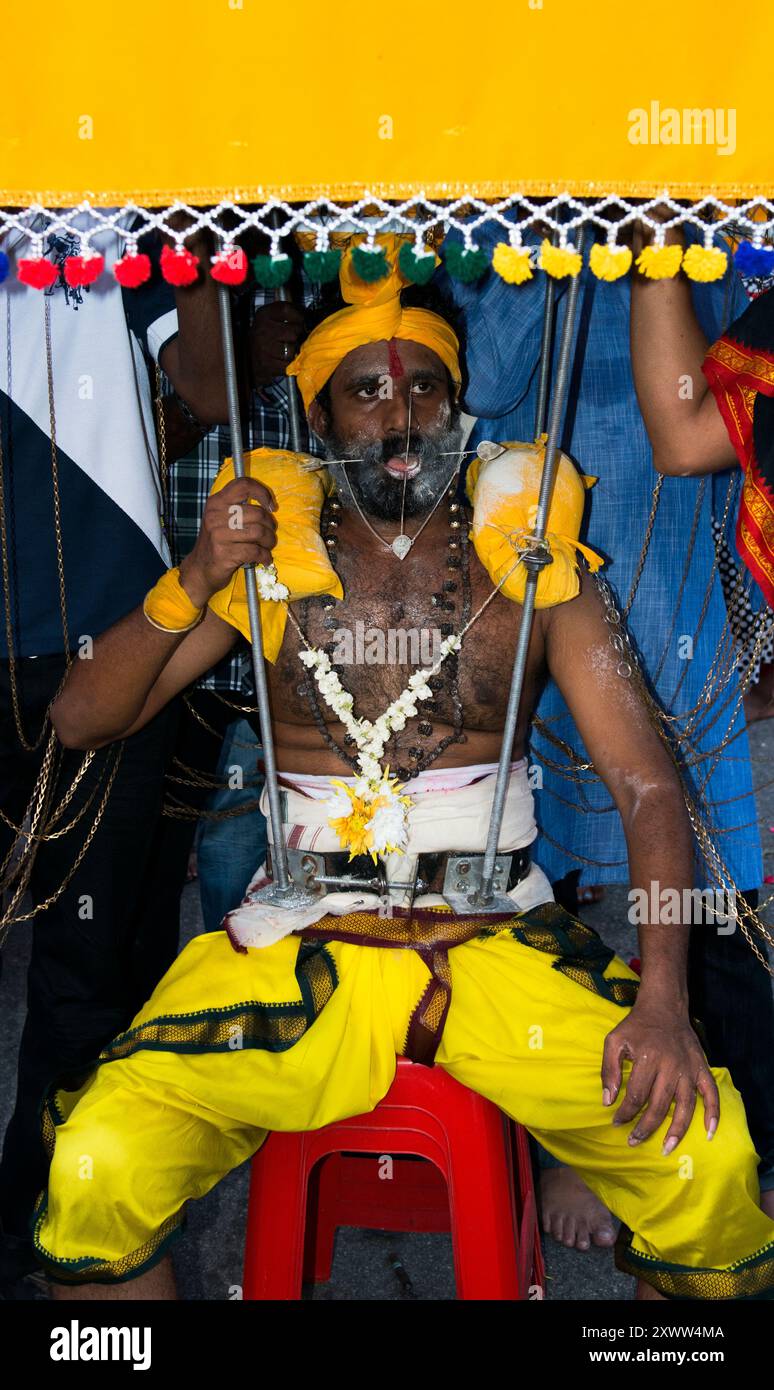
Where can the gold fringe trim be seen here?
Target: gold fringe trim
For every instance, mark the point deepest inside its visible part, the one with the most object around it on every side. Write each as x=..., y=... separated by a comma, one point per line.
x=751, y=1278
x=353, y=192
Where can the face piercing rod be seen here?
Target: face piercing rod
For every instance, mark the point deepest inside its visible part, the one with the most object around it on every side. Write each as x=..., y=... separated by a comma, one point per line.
x=539, y=557
x=281, y=890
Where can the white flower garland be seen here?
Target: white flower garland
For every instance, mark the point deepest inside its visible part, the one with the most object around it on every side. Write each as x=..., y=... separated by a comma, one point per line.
x=374, y=790
x=269, y=584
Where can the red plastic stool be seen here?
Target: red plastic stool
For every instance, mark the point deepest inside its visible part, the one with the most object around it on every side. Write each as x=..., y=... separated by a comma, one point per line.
x=452, y=1170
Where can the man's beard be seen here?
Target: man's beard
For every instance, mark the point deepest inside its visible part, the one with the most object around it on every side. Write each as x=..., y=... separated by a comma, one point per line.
x=377, y=493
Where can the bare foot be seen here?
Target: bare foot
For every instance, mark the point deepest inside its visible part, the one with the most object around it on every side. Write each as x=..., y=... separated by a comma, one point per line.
x=571, y=1213
x=767, y=1202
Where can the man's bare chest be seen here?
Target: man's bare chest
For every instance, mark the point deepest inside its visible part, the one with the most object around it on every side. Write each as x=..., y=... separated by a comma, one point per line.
x=391, y=623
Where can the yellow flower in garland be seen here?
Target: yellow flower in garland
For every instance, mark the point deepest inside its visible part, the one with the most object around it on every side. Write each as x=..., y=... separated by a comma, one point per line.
x=659, y=262
x=559, y=260
x=352, y=824
x=512, y=263
x=370, y=818
x=705, y=263
x=609, y=262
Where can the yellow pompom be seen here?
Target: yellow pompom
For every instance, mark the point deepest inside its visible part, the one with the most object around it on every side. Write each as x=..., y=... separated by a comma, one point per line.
x=705, y=263
x=512, y=263
x=609, y=262
x=559, y=260
x=659, y=262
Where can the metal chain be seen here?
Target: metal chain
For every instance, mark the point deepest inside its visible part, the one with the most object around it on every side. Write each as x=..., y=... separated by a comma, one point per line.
x=161, y=434
x=710, y=853
x=8, y=918
x=178, y=810
x=39, y=799
x=195, y=778
x=645, y=545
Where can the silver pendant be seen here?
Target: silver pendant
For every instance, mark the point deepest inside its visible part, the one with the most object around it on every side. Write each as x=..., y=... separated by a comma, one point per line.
x=488, y=450
x=401, y=546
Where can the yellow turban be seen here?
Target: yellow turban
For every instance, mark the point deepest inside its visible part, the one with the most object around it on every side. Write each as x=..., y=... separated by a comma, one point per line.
x=374, y=315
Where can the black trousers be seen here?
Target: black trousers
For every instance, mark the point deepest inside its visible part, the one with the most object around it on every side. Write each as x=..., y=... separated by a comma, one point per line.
x=730, y=993
x=92, y=961
x=100, y=949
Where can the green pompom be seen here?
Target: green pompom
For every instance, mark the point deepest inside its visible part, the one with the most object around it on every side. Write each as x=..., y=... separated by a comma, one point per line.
x=463, y=265
x=369, y=266
x=322, y=266
x=272, y=271
x=417, y=268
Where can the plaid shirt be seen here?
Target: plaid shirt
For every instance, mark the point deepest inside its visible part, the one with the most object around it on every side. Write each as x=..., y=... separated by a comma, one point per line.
x=191, y=478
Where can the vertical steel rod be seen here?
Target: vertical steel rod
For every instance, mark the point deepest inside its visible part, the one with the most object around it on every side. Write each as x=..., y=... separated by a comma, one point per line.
x=279, y=853
x=550, y=464
x=294, y=408
x=545, y=355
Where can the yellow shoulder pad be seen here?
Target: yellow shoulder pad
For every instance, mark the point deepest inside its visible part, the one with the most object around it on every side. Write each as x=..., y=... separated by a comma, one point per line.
x=300, y=556
x=504, y=492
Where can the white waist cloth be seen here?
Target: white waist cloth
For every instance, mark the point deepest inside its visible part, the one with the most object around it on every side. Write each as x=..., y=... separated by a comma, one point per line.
x=450, y=811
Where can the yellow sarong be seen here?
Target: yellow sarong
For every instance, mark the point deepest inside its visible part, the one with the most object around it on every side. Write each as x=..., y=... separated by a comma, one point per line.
x=306, y=1032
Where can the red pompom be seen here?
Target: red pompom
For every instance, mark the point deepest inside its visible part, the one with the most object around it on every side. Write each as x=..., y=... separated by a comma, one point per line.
x=36, y=271
x=83, y=270
x=179, y=267
x=229, y=267
x=132, y=271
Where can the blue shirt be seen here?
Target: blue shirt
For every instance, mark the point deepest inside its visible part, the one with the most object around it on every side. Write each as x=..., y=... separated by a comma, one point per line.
x=677, y=616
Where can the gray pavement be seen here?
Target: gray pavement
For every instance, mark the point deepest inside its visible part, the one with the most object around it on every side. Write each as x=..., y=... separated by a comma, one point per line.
x=208, y=1259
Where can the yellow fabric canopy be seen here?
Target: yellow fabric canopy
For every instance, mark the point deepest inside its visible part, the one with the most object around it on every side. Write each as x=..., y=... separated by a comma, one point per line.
x=243, y=100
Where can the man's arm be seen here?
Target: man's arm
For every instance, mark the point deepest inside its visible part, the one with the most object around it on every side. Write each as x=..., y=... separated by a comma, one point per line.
x=135, y=668
x=668, y=1062
x=668, y=347
x=193, y=360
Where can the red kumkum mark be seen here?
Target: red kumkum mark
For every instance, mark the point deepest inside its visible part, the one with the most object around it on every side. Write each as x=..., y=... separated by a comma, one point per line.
x=396, y=366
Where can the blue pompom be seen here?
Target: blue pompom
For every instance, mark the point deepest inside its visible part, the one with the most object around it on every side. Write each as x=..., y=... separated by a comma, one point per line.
x=4, y=266
x=754, y=260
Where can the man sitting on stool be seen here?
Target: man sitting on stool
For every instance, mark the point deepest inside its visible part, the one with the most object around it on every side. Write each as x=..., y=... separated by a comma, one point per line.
x=319, y=1000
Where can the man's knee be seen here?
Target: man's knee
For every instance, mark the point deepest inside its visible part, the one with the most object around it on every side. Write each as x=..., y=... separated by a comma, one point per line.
x=729, y=1158
x=89, y=1168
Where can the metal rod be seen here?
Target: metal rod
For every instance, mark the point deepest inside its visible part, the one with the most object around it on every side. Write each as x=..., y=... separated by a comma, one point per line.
x=550, y=464
x=294, y=405
x=279, y=852
x=545, y=354
x=350, y=882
